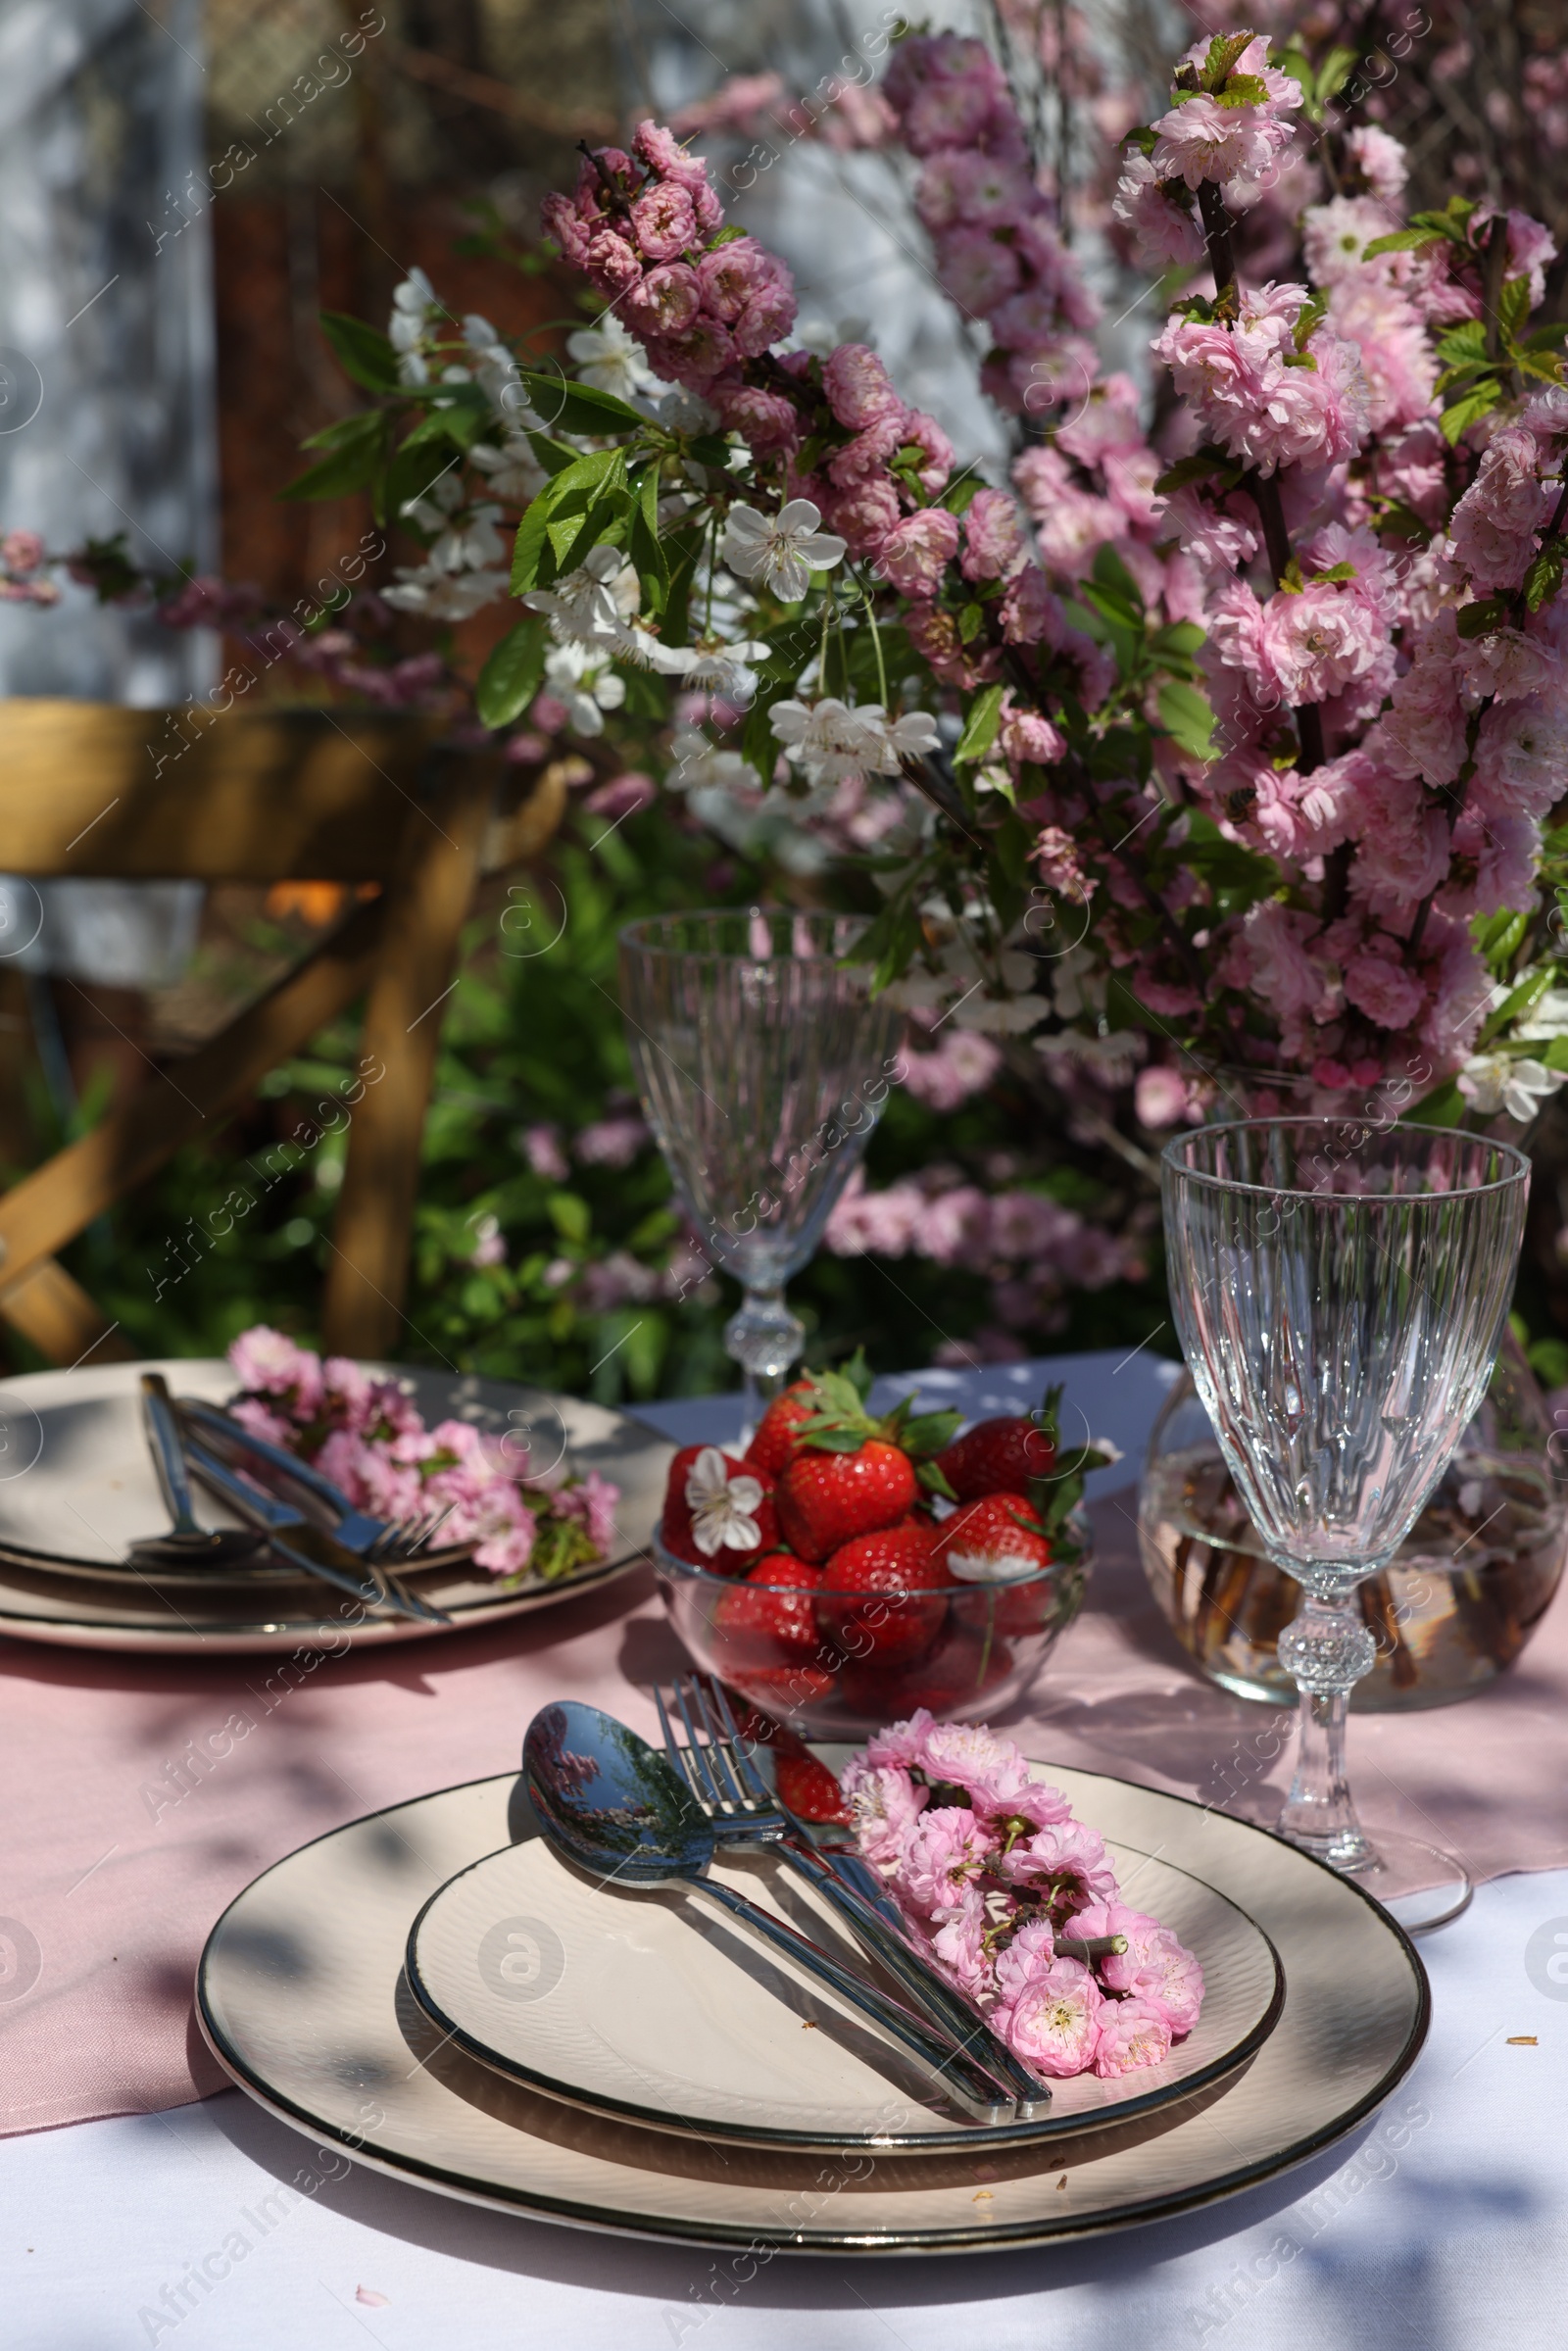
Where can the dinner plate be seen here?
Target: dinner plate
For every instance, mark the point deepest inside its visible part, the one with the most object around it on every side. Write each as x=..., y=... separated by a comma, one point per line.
x=651, y=2008
x=76, y=1487
x=303, y=1998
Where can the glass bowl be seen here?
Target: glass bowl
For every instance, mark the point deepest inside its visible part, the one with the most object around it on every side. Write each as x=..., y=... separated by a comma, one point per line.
x=840, y=1664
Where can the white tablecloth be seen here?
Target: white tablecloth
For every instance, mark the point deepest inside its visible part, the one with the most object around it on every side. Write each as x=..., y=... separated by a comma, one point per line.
x=1443, y=2226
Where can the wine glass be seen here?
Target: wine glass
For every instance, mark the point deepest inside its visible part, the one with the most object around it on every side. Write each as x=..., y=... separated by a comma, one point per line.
x=763, y=1060
x=1340, y=1287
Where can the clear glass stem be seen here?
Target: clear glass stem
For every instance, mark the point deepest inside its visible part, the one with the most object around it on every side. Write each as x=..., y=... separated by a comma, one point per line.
x=1326, y=1649
x=765, y=1338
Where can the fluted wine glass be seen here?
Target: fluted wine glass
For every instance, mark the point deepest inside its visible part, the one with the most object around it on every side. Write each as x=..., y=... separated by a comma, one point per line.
x=764, y=1062
x=1340, y=1287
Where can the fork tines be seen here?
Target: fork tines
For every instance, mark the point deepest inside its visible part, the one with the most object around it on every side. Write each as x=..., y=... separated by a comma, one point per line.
x=716, y=1766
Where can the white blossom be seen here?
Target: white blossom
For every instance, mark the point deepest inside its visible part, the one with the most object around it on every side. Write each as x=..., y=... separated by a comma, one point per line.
x=1493, y=1082
x=514, y=471
x=413, y=304
x=783, y=550
x=586, y=686
x=611, y=360
x=721, y=1507
x=594, y=601
x=831, y=739
x=700, y=764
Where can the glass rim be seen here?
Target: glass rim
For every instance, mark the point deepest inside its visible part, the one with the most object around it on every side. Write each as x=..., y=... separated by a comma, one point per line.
x=631, y=934
x=1520, y=1171
x=668, y=1562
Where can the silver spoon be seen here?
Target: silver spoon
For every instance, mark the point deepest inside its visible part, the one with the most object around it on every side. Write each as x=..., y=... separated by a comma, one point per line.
x=188, y=1544
x=611, y=1804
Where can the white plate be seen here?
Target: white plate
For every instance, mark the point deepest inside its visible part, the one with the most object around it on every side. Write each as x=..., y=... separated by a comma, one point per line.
x=76, y=1486
x=647, y=2005
x=302, y=1995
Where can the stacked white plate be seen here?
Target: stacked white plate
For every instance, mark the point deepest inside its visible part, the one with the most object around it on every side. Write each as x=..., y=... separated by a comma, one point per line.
x=77, y=1487
x=432, y=1989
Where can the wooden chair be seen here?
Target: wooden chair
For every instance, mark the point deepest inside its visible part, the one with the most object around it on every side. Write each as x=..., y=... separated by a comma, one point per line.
x=309, y=794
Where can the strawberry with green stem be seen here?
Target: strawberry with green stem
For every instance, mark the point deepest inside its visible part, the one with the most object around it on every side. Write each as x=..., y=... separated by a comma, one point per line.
x=852, y=1473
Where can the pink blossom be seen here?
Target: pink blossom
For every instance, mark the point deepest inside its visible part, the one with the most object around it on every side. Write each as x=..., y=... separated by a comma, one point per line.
x=1160, y=1097
x=1030, y=613
x=621, y=796
x=1220, y=542
x=664, y=222
x=1423, y=734
x=984, y=191
x=1491, y=533
x=541, y=1144
x=924, y=435
x=1165, y=231
x=614, y=266
x=917, y=551
x=975, y=272
x=867, y=451
x=766, y=420
x=1066, y=1850
x=1133, y=2034
x=1026, y=734
x=663, y=152
x=862, y=514
x=902, y=1743
x=1320, y=639
x=1380, y=988
x=663, y=303
x=1282, y=972
x=733, y=275
x=886, y=1804
x=348, y=1392
x=610, y=1141
x=878, y=1224
x=858, y=387
x=697, y=357
x=1504, y=666
x=944, y=90
x=964, y=1064
x=953, y=1226
x=993, y=537
x=960, y=1944
x=1156, y=1966
x=1380, y=160
x=1461, y=996
x=253, y=1414
x=1054, y=2023
x=1029, y=1955
x=267, y=1362
x=565, y=225
x=943, y=1851
x=1403, y=851
x=1522, y=756
x=21, y=550
x=593, y=1500
x=971, y=1756
x=767, y=318
x=1255, y=405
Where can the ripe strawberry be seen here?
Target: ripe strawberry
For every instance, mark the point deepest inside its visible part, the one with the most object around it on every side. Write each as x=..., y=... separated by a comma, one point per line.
x=776, y=1692
x=808, y=1787
x=886, y=1567
x=758, y=1626
x=993, y=1540
x=827, y=1498
x=773, y=1444
x=702, y=1472
x=960, y=1668
x=996, y=1456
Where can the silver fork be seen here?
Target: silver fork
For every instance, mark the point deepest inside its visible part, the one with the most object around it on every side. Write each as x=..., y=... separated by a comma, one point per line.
x=730, y=1789
x=379, y=1541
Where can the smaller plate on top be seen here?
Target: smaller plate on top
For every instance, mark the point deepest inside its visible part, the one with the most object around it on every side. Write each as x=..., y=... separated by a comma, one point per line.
x=651, y=2008
x=77, y=1487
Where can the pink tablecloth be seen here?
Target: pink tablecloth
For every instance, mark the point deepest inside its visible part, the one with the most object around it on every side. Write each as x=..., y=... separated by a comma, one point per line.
x=141, y=1797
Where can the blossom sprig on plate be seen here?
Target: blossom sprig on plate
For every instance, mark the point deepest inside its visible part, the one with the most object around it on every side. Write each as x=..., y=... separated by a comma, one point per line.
x=368, y=1437
x=1017, y=1902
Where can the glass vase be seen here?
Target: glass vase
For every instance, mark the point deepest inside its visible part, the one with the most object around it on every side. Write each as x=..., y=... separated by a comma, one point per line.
x=1452, y=1611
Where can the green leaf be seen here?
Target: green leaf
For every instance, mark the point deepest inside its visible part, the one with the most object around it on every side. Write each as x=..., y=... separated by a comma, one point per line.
x=1187, y=718
x=1333, y=74
x=1196, y=467
x=570, y=1215
x=1467, y=341
x=1223, y=51
x=972, y=621
x=573, y=491
x=1179, y=641
x=1480, y=619
x=353, y=462
x=1545, y=575
x=980, y=726
x=567, y=406
x=1455, y=421
x=512, y=673
x=1518, y=1001
x=363, y=352
x=1112, y=574
x=1443, y=1106
x=725, y=236
x=643, y=541
x=1243, y=89
x=1404, y=240
x=1513, y=305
